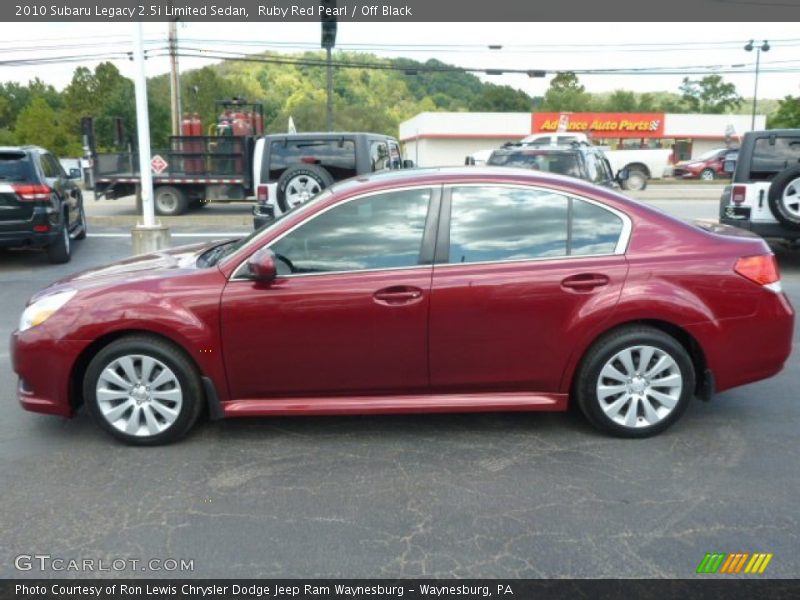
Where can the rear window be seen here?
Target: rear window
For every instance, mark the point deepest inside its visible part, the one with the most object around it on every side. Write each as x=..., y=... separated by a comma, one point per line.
x=771, y=158
x=15, y=166
x=337, y=156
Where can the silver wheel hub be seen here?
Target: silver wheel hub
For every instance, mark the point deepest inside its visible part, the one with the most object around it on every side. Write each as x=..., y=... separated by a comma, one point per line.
x=301, y=189
x=139, y=395
x=791, y=198
x=639, y=386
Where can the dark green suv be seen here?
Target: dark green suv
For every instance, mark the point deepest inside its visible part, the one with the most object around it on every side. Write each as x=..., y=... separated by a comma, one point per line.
x=40, y=206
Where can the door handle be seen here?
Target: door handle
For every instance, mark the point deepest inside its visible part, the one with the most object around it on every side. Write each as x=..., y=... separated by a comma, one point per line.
x=584, y=282
x=399, y=294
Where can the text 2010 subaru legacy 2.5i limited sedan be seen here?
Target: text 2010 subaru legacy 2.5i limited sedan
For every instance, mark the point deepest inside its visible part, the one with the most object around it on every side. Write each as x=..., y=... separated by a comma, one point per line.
x=416, y=291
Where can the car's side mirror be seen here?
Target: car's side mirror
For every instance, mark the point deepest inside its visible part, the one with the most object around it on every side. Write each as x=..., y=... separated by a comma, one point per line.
x=408, y=164
x=262, y=266
x=74, y=173
x=622, y=175
x=729, y=166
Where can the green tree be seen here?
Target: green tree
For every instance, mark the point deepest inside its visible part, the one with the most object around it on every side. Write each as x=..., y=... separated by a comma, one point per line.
x=40, y=125
x=787, y=115
x=501, y=98
x=566, y=93
x=709, y=95
x=621, y=101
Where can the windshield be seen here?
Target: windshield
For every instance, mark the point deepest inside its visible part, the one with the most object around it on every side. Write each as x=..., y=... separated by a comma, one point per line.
x=214, y=255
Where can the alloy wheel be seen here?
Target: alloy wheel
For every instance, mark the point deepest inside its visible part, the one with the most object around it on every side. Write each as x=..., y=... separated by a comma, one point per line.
x=791, y=199
x=139, y=395
x=639, y=386
x=301, y=189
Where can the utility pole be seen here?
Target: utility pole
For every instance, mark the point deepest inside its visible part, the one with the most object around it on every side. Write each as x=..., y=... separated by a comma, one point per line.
x=328, y=11
x=147, y=236
x=174, y=79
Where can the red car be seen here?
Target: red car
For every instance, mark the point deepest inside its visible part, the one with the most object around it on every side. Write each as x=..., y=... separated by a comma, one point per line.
x=708, y=166
x=416, y=291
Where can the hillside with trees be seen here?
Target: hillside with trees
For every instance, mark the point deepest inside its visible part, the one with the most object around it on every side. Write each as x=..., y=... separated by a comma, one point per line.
x=377, y=99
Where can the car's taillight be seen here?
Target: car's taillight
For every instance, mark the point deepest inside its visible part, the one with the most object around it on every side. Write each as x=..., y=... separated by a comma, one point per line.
x=32, y=192
x=262, y=194
x=762, y=269
x=738, y=194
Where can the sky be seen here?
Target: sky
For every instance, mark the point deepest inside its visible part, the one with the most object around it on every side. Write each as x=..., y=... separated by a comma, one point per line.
x=529, y=46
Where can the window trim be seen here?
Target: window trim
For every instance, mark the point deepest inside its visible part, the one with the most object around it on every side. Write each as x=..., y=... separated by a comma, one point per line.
x=443, y=238
x=427, y=245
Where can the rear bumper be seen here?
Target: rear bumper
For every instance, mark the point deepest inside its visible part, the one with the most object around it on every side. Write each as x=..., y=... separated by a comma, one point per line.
x=747, y=349
x=10, y=239
x=44, y=367
x=767, y=230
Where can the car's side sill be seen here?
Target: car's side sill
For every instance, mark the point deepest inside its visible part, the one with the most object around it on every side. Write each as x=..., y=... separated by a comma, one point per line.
x=376, y=405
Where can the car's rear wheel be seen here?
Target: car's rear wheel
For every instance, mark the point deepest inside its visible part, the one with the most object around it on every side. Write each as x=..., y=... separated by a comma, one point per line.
x=170, y=201
x=143, y=391
x=635, y=382
x=707, y=175
x=636, y=181
x=60, y=250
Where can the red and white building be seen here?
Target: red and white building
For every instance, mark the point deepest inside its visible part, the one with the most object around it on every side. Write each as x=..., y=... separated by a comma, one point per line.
x=447, y=138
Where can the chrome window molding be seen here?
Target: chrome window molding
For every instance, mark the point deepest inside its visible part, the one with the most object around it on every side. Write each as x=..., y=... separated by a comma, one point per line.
x=240, y=272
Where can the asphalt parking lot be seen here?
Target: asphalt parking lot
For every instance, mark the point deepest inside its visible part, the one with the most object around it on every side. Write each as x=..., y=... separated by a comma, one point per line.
x=487, y=495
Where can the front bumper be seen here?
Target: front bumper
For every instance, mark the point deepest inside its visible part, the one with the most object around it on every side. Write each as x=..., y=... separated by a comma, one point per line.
x=44, y=367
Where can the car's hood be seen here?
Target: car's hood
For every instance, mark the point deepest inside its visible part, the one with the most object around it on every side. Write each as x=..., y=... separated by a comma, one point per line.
x=144, y=266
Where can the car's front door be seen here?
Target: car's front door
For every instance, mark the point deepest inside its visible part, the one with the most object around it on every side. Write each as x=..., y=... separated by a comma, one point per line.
x=348, y=311
x=526, y=271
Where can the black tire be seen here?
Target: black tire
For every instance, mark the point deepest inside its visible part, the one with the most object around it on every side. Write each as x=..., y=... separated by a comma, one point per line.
x=83, y=227
x=603, y=351
x=315, y=177
x=60, y=250
x=786, y=209
x=708, y=175
x=170, y=201
x=636, y=181
x=168, y=354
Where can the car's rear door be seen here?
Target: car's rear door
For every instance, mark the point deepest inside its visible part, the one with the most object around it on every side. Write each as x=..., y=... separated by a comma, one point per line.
x=348, y=312
x=520, y=274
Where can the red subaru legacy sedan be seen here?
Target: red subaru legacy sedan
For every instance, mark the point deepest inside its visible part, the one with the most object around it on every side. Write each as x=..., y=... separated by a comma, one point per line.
x=417, y=291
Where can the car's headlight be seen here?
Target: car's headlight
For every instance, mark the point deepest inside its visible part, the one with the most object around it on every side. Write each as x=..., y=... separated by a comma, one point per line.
x=41, y=310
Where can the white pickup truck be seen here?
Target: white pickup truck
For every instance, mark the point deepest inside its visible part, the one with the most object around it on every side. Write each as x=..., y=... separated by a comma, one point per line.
x=642, y=164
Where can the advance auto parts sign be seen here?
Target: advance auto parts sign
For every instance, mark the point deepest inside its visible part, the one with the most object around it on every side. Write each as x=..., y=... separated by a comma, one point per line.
x=613, y=125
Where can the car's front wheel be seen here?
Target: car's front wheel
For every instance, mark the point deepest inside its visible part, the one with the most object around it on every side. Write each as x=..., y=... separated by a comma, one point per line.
x=635, y=382
x=143, y=391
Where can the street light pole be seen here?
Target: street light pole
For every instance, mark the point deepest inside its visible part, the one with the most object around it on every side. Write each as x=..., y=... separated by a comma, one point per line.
x=764, y=47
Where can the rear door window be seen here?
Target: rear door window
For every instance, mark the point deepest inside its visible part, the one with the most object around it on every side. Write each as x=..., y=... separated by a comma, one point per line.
x=379, y=155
